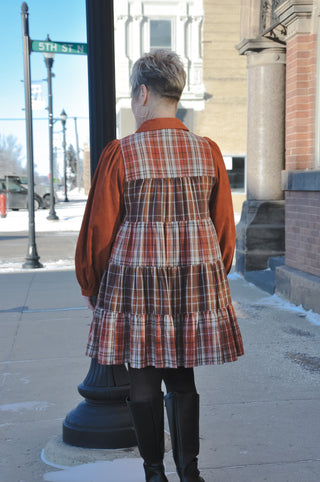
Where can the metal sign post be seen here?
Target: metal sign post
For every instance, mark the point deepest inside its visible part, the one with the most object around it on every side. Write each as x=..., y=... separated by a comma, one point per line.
x=32, y=258
x=46, y=47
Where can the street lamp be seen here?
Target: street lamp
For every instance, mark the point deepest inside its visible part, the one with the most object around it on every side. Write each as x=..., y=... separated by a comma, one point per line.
x=32, y=258
x=63, y=117
x=48, y=58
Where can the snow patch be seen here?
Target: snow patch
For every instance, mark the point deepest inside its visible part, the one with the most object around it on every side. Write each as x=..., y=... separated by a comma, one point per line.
x=60, y=265
x=285, y=305
x=70, y=217
x=73, y=194
x=19, y=407
x=234, y=276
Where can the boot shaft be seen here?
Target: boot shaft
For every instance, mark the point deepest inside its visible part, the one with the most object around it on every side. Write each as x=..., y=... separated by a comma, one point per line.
x=183, y=418
x=147, y=418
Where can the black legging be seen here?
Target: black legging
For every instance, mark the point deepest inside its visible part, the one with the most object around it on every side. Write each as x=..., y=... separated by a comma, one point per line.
x=145, y=383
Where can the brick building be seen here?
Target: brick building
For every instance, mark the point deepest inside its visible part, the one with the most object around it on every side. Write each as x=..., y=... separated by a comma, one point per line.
x=285, y=32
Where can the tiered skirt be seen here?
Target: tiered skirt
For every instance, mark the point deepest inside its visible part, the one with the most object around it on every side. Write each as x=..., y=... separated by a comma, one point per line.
x=164, y=317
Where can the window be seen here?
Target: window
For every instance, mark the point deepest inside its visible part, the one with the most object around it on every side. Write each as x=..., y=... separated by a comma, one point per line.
x=235, y=166
x=186, y=116
x=15, y=186
x=160, y=34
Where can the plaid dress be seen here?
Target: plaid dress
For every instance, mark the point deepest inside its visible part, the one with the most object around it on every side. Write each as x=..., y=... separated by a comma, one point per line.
x=164, y=298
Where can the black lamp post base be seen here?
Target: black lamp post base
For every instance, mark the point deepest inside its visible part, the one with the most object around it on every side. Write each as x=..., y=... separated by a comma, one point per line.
x=53, y=217
x=102, y=420
x=32, y=258
x=32, y=263
x=99, y=425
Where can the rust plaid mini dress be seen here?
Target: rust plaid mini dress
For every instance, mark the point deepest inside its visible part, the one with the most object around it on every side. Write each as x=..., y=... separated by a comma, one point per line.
x=164, y=298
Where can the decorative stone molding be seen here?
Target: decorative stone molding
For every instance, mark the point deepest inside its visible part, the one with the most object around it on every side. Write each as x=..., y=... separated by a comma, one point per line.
x=271, y=55
x=254, y=45
x=301, y=180
x=296, y=16
x=250, y=18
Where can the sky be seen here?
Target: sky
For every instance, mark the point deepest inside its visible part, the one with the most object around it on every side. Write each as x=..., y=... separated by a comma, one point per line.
x=63, y=20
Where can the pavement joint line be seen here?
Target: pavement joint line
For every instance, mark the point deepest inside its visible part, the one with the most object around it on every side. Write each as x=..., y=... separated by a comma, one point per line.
x=44, y=310
x=284, y=462
x=20, y=319
x=36, y=360
x=55, y=309
x=247, y=402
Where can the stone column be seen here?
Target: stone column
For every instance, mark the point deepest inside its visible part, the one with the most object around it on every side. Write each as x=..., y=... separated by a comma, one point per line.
x=266, y=127
x=260, y=233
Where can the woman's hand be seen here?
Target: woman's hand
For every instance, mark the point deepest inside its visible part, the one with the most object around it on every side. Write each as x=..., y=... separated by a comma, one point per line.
x=91, y=302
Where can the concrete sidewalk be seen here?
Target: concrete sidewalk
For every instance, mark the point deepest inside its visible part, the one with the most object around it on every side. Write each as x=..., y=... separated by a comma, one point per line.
x=259, y=416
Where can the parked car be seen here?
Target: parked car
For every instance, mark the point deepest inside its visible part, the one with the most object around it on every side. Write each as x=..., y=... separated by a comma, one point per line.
x=17, y=194
x=43, y=190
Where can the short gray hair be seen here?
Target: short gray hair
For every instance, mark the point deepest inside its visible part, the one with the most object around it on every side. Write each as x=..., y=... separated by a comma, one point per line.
x=161, y=71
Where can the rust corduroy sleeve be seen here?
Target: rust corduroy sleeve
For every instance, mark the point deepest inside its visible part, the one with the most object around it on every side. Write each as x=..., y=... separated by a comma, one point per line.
x=101, y=219
x=221, y=209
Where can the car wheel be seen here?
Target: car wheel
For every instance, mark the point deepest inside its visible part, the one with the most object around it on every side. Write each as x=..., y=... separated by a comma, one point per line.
x=36, y=204
x=46, y=201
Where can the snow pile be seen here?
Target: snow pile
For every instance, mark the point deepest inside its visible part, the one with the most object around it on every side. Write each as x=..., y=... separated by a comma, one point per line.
x=60, y=265
x=281, y=303
x=69, y=213
x=285, y=305
x=73, y=194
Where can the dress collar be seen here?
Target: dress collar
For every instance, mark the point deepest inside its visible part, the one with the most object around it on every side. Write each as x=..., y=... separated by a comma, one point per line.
x=162, y=123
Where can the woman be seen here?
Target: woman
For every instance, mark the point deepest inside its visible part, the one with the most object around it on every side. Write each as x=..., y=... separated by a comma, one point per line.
x=156, y=243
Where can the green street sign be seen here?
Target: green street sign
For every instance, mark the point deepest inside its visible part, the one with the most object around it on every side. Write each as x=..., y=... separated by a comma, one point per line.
x=45, y=46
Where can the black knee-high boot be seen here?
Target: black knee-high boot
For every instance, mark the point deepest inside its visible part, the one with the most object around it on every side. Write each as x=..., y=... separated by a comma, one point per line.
x=183, y=418
x=147, y=417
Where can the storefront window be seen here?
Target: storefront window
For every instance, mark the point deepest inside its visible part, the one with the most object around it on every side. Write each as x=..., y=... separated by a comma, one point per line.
x=235, y=166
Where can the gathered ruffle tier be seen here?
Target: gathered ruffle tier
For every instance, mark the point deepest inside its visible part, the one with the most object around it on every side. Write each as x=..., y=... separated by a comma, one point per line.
x=164, y=317
x=187, y=340
x=160, y=244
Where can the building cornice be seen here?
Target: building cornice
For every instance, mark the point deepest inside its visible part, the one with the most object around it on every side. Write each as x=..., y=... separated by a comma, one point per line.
x=296, y=16
x=255, y=45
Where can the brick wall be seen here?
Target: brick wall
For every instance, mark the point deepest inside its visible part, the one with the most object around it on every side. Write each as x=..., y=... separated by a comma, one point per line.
x=302, y=231
x=300, y=101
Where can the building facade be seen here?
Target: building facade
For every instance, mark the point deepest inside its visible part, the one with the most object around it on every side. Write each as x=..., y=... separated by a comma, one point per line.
x=280, y=41
x=141, y=25
x=204, y=34
x=225, y=80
